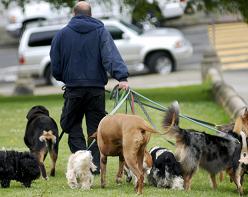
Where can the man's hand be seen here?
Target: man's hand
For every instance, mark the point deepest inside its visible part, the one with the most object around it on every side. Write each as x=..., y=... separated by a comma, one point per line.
x=123, y=85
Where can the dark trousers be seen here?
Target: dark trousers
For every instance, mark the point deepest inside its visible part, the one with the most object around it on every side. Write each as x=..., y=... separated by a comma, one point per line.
x=80, y=102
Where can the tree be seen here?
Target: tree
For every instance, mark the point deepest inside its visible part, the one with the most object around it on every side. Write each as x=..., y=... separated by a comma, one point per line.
x=142, y=6
x=224, y=6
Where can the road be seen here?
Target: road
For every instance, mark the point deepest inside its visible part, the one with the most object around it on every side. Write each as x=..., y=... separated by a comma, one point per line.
x=8, y=56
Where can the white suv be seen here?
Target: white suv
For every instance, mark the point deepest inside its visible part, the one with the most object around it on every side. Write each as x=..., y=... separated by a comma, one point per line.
x=157, y=49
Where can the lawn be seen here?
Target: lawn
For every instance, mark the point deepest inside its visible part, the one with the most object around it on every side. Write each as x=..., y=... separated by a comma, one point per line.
x=196, y=101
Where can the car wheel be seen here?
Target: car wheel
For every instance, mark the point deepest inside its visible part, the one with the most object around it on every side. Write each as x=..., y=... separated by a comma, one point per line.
x=160, y=62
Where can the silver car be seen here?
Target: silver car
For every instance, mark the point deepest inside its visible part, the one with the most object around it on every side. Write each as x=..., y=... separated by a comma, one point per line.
x=157, y=50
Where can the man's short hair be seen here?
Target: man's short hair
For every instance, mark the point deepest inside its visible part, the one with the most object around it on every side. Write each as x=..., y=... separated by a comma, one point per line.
x=78, y=10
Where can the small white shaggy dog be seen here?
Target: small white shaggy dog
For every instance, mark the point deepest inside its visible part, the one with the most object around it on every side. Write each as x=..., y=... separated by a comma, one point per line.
x=79, y=170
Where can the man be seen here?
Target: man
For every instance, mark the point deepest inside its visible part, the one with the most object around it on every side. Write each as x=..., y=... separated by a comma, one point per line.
x=81, y=54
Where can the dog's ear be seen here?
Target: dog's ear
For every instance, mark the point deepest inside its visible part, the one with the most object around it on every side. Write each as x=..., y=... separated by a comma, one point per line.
x=245, y=115
x=37, y=110
x=94, y=135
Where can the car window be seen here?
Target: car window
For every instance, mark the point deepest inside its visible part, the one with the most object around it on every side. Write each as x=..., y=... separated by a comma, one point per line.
x=41, y=38
x=115, y=32
x=133, y=27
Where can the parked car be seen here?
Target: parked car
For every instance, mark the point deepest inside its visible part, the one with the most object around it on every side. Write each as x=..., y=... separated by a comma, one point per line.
x=168, y=8
x=158, y=49
x=172, y=8
x=34, y=11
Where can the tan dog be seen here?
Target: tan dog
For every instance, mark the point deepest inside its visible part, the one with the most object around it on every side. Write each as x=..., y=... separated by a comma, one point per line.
x=241, y=123
x=240, y=127
x=147, y=166
x=125, y=136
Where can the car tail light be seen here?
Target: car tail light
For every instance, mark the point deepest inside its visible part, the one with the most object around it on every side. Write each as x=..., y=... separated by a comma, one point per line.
x=21, y=60
x=12, y=19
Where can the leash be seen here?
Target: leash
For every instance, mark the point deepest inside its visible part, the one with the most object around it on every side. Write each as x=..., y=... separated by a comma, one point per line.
x=132, y=97
x=194, y=120
x=165, y=109
x=123, y=98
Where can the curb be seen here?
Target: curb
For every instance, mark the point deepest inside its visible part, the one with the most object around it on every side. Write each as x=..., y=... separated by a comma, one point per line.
x=225, y=94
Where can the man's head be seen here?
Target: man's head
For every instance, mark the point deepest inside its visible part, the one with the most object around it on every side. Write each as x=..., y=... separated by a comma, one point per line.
x=82, y=7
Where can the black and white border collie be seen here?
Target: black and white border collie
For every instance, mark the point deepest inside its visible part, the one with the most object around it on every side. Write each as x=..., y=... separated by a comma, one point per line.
x=166, y=170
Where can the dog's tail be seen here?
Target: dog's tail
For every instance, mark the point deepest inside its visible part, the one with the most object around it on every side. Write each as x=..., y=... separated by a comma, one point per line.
x=171, y=122
x=48, y=137
x=148, y=128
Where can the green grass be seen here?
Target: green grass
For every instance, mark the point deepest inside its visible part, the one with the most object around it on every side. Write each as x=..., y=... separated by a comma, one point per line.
x=196, y=101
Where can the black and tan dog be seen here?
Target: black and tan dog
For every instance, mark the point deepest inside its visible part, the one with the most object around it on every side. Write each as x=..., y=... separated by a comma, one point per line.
x=41, y=137
x=212, y=153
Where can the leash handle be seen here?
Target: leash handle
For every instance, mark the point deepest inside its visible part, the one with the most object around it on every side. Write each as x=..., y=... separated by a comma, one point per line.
x=123, y=98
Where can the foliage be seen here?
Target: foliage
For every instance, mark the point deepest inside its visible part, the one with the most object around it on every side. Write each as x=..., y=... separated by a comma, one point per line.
x=142, y=7
x=232, y=6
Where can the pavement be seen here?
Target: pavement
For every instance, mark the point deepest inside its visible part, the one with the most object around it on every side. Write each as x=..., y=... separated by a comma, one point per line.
x=236, y=78
x=180, y=78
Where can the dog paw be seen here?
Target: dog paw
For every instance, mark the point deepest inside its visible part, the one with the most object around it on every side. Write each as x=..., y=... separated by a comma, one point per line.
x=241, y=191
x=46, y=178
x=118, y=180
x=52, y=173
x=85, y=187
x=128, y=179
x=73, y=186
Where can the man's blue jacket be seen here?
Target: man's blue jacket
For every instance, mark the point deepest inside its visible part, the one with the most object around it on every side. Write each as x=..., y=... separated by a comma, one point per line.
x=82, y=53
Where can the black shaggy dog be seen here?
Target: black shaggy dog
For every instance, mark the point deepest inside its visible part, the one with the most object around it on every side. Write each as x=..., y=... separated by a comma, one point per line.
x=41, y=137
x=166, y=171
x=194, y=149
x=19, y=166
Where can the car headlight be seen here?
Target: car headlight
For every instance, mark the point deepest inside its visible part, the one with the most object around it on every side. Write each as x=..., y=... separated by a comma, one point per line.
x=179, y=44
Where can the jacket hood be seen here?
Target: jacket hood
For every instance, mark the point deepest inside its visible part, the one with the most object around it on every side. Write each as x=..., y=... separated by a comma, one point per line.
x=84, y=24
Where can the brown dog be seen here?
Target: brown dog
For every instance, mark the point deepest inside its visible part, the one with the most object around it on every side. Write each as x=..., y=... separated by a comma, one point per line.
x=125, y=136
x=241, y=123
x=240, y=129
x=147, y=166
